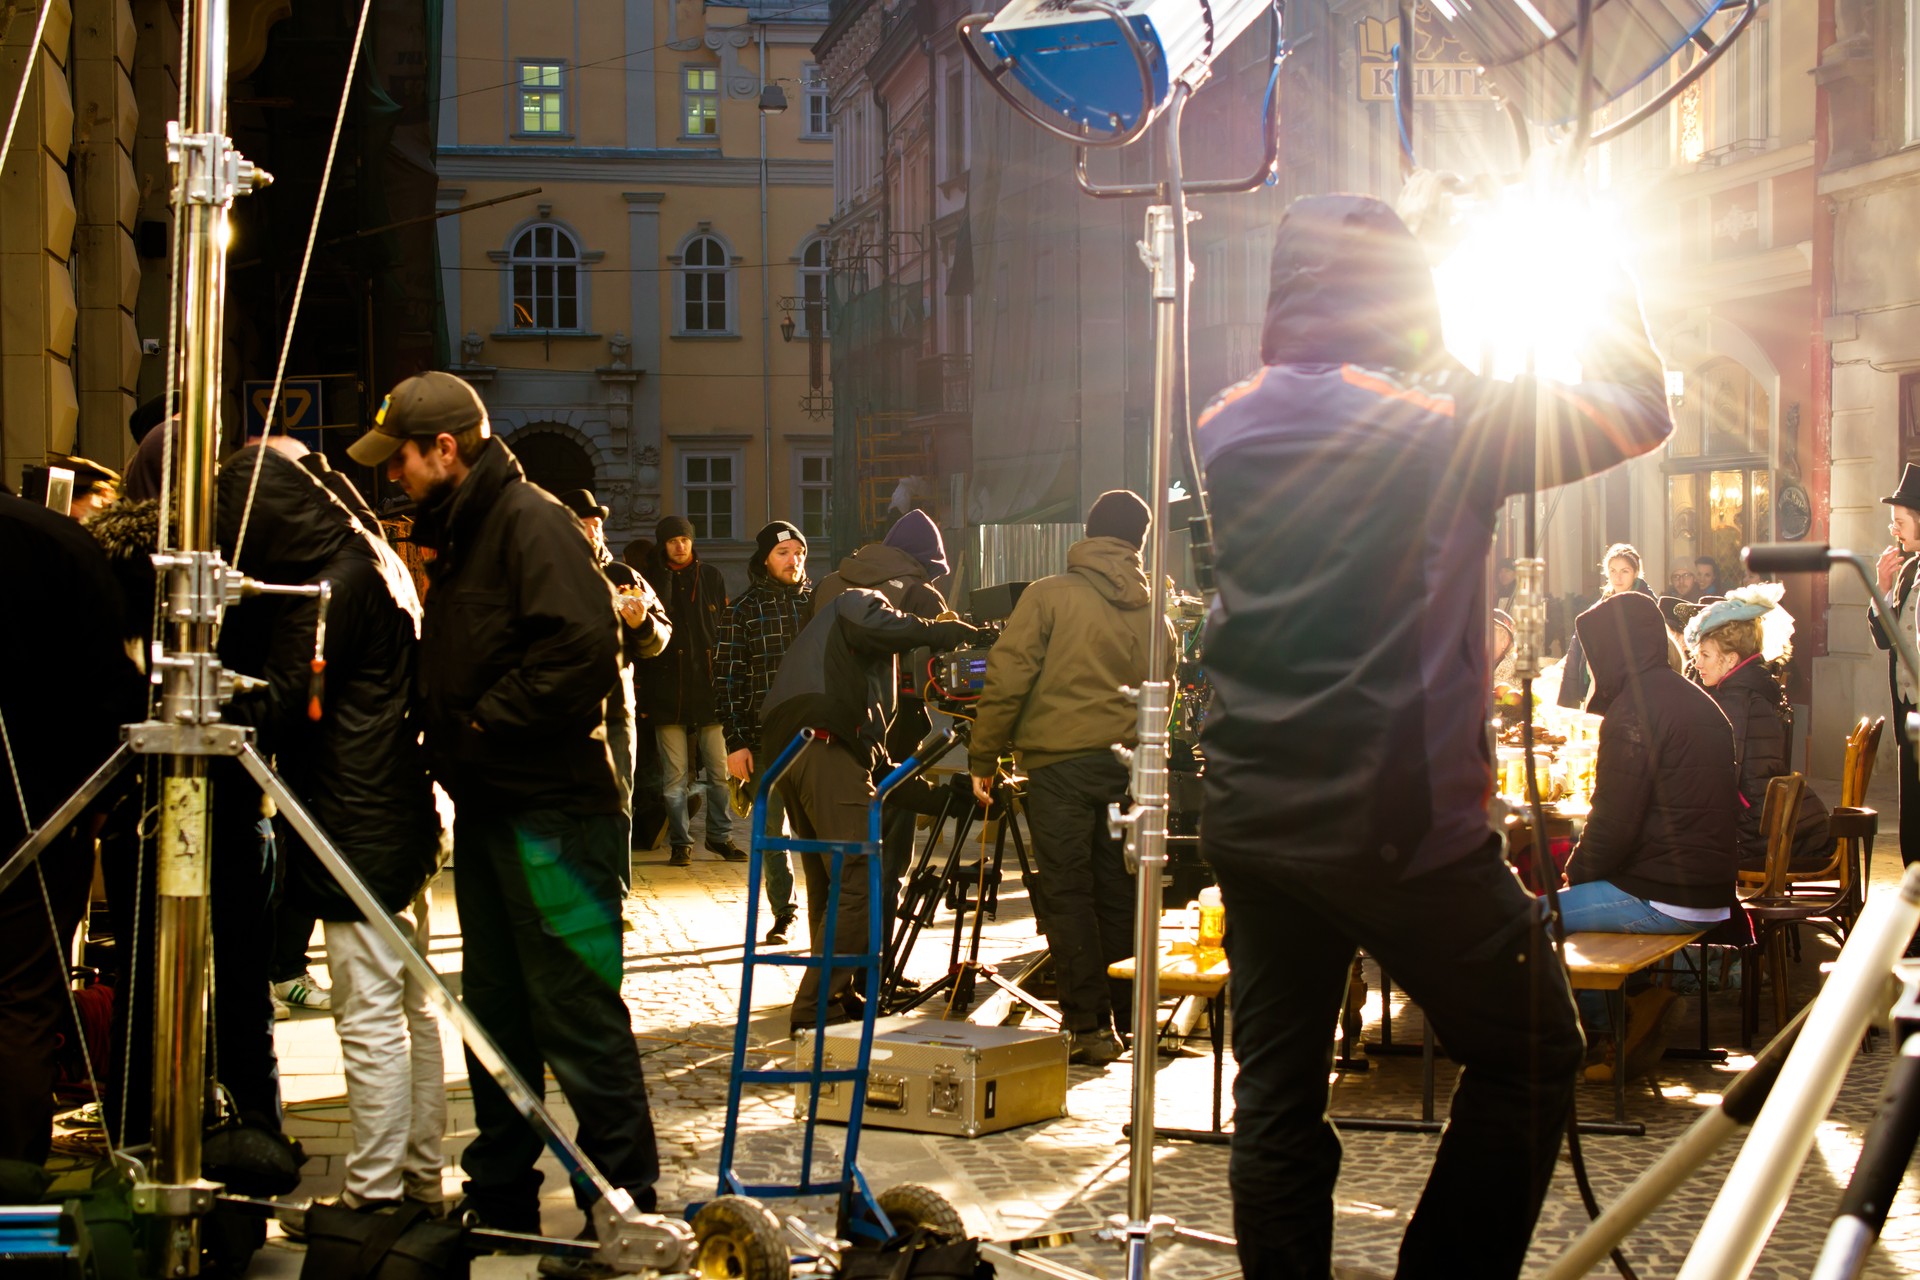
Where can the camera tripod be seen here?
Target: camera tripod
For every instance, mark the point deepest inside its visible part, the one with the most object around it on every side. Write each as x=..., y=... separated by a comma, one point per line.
x=925, y=889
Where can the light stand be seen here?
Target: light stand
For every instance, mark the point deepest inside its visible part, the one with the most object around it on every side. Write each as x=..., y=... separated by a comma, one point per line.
x=187, y=732
x=1164, y=251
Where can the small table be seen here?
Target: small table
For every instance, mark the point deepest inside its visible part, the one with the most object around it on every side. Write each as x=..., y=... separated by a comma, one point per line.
x=1184, y=973
x=1603, y=962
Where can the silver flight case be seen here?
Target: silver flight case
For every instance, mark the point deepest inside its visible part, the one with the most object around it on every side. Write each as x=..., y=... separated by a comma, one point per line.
x=931, y=1076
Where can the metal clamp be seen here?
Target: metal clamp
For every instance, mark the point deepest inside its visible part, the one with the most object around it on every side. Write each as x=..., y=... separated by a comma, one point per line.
x=632, y=1241
x=173, y=1200
x=212, y=172
x=1529, y=617
x=155, y=739
x=1119, y=1227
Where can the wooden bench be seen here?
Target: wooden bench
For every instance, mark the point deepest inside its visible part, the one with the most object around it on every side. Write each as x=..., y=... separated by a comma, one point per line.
x=1183, y=974
x=1603, y=962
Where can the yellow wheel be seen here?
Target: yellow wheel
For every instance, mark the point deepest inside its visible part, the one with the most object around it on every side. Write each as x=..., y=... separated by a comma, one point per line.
x=911, y=1205
x=739, y=1239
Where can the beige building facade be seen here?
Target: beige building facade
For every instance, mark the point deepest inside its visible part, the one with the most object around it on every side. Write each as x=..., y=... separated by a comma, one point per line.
x=638, y=324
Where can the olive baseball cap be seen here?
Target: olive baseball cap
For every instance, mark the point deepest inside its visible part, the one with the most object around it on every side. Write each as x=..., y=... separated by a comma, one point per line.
x=421, y=407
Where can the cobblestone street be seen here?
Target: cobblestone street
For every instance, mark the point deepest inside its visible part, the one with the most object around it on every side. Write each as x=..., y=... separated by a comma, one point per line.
x=682, y=977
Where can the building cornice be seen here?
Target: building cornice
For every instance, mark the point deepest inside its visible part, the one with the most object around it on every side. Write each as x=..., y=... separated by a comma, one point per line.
x=705, y=167
x=1900, y=169
x=1749, y=276
x=1754, y=168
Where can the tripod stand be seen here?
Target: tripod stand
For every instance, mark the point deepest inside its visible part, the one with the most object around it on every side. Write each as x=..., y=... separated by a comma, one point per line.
x=925, y=889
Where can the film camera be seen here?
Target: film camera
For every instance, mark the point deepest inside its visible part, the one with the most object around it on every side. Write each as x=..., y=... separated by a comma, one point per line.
x=951, y=680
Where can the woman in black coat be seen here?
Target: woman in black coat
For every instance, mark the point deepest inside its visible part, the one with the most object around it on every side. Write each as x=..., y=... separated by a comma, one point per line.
x=1726, y=640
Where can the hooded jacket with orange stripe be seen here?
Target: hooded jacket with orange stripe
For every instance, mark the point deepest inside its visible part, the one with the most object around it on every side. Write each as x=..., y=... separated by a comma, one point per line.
x=1353, y=509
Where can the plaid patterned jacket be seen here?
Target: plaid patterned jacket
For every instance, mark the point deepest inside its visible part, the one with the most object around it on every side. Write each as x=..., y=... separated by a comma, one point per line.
x=754, y=635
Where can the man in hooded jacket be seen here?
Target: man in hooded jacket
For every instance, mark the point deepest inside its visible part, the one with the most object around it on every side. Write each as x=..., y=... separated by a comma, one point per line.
x=359, y=770
x=1060, y=706
x=1348, y=767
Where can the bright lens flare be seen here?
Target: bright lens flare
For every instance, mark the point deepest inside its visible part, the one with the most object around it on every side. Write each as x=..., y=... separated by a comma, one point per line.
x=1529, y=281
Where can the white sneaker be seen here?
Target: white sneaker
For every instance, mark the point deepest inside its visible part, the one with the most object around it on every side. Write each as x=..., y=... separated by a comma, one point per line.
x=280, y=1010
x=303, y=993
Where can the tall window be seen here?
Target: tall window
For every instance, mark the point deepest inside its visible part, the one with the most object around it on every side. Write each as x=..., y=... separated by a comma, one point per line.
x=813, y=497
x=700, y=101
x=543, y=101
x=817, y=123
x=545, y=266
x=954, y=109
x=1719, y=468
x=813, y=287
x=704, y=272
x=708, y=492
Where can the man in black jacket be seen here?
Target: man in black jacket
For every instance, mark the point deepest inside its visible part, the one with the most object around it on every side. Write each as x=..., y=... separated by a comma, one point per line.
x=359, y=770
x=1896, y=570
x=840, y=677
x=519, y=651
x=1347, y=758
x=679, y=691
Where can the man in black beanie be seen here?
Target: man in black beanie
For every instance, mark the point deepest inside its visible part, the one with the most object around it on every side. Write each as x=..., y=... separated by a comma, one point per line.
x=1061, y=710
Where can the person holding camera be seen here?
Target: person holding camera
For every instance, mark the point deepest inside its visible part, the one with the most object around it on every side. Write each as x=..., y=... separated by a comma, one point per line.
x=1060, y=707
x=841, y=677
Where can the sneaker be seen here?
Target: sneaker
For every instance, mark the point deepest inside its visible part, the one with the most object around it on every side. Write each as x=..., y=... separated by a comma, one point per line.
x=1094, y=1048
x=280, y=1010
x=782, y=925
x=304, y=993
x=682, y=856
x=726, y=850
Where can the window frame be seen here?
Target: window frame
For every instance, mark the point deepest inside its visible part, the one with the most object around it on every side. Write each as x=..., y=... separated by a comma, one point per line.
x=813, y=100
x=689, y=95
x=803, y=273
x=682, y=276
x=536, y=262
x=557, y=91
x=817, y=543
x=702, y=521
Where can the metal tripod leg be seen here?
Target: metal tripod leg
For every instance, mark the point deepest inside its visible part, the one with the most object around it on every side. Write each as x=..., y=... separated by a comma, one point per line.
x=912, y=900
x=627, y=1237
x=65, y=816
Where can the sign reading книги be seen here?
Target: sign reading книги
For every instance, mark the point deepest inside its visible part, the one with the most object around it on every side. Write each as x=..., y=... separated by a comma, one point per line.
x=1443, y=70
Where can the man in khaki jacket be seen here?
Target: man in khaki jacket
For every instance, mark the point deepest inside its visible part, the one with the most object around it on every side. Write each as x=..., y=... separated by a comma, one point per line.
x=1062, y=710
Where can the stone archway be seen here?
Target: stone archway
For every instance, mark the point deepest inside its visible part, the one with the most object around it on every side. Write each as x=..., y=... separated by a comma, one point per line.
x=555, y=462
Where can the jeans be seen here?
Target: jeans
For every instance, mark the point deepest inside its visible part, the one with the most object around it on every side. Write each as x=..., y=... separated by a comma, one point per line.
x=676, y=768
x=1600, y=906
x=1090, y=907
x=828, y=795
x=1466, y=943
x=539, y=899
x=390, y=1047
x=777, y=868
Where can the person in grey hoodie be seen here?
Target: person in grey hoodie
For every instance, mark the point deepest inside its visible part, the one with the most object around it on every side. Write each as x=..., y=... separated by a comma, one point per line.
x=1060, y=707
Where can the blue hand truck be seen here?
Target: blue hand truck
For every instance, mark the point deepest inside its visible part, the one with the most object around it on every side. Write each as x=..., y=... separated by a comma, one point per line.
x=737, y=1234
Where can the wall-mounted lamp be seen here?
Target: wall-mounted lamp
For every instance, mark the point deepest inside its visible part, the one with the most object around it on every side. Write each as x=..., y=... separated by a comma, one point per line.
x=1676, y=388
x=773, y=100
x=786, y=327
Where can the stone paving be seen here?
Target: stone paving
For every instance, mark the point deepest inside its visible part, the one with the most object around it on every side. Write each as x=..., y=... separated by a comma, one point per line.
x=682, y=985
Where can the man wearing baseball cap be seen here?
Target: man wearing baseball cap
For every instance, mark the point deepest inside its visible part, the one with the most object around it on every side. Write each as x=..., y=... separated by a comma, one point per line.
x=759, y=626
x=519, y=651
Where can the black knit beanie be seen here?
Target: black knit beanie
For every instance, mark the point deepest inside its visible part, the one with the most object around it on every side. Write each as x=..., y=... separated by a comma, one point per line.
x=671, y=527
x=771, y=536
x=1119, y=513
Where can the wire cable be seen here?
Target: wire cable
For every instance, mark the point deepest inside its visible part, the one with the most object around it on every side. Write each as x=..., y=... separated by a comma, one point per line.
x=300, y=281
x=32, y=60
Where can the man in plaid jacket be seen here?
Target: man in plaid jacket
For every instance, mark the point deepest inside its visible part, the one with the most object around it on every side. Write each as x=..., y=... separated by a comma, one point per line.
x=753, y=638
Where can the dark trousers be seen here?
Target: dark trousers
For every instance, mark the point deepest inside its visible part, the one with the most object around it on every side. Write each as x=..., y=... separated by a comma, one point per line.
x=649, y=803
x=292, y=935
x=828, y=793
x=539, y=899
x=1089, y=907
x=1468, y=945
x=1909, y=788
x=34, y=1014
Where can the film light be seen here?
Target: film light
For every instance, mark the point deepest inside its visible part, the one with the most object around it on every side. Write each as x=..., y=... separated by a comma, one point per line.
x=1529, y=49
x=1070, y=56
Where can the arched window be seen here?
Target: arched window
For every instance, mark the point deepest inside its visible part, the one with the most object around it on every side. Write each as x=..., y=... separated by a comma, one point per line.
x=552, y=461
x=706, y=302
x=811, y=289
x=544, y=264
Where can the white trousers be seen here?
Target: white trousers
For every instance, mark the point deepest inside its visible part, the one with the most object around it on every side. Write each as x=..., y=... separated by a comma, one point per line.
x=390, y=1043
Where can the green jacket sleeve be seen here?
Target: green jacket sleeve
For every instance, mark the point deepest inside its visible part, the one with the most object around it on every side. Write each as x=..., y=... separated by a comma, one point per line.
x=1013, y=664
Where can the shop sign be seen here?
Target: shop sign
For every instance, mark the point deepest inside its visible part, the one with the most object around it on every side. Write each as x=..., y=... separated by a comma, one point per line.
x=1443, y=70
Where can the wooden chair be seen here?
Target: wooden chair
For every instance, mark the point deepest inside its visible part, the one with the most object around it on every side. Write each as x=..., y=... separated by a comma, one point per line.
x=1775, y=909
x=1852, y=825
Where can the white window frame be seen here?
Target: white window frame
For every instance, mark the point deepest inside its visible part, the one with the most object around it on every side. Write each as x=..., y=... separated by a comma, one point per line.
x=816, y=119
x=708, y=98
x=802, y=486
x=702, y=519
x=556, y=92
x=953, y=143
x=812, y=274
x=683, y=275
x=556, y=262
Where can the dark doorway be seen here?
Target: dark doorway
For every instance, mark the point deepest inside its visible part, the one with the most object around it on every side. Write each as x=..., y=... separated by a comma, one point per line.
x=552, y=461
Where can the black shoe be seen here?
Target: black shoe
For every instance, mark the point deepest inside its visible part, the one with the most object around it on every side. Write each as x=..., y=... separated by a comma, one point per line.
x=682, y=856
x=782, y=922
x=726, y=850
x=1094, y=1048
